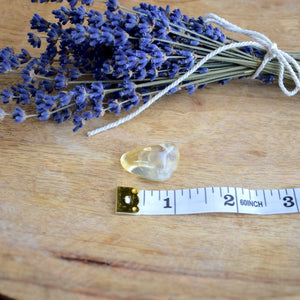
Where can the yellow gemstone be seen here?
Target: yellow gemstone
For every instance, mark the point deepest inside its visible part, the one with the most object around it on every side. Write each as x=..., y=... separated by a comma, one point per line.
x=156, y=162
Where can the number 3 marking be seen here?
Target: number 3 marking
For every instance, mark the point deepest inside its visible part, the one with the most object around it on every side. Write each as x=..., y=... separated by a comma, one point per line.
x=288, y=201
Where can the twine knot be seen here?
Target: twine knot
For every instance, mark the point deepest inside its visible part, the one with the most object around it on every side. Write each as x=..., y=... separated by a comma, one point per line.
x=272, y=52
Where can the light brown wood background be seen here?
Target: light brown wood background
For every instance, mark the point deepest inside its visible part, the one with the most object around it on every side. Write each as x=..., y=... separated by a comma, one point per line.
x=59, y=236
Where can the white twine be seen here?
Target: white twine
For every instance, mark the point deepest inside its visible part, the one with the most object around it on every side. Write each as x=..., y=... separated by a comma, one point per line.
x=260, y=42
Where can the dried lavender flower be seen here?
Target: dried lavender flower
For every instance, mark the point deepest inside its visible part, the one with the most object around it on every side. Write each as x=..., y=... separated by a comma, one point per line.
x=112, y=61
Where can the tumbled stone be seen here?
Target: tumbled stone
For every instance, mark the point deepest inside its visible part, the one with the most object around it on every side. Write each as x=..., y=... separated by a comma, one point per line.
x=156, y=162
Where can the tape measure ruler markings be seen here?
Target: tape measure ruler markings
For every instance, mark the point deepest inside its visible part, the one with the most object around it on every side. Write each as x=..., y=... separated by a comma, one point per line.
x=131, y=200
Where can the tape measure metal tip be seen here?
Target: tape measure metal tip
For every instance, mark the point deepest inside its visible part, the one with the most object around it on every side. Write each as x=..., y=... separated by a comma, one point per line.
x=127, y=200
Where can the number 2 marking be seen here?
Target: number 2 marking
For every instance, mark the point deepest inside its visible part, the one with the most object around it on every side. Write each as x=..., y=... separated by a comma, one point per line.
x=229, y=200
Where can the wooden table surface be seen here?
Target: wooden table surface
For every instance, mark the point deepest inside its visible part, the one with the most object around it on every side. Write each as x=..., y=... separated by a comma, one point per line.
x=59, y=236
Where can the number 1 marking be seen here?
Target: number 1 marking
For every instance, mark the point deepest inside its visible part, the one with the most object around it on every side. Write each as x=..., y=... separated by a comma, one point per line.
x=167, y=200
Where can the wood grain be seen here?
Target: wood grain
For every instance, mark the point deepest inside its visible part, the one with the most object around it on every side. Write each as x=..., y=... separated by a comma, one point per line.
x=60, y=238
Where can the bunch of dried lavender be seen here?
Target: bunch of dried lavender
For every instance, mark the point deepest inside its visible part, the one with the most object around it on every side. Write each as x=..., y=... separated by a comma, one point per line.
x=96, y=63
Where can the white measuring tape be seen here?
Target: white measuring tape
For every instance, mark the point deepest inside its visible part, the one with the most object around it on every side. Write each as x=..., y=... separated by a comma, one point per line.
x=133, y=201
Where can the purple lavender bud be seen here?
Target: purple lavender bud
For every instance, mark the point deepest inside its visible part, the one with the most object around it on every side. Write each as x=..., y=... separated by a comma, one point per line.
x=79, y=96
x=77, y=15
x=247, y=49
x=34, y=40
x=114, y=106
x=18, y=115
x=97, y=91
x=5, y=67
x=259, y=53
x=38, y=23
x=224, y=81
x=97, y=108
x=140, y=74
x=53, y=35
x=79, y=35
x=266, y=78
x=78, y=122
x=60, y=81
x=131, y=21
x=112, y=5
x=87, y=2
x=191, y=88
x=173, y=90
x=44, y=116
x=50, y=101
x=87, y=115
x=107, y=38
x=72, y=3
x=95, y=19
x=62, y=14
x=94, y=35
x=61, y=116
x=28, y=74
x=7, y=96
x=64, y=98
x=24, y=56
x=73, y=74
x=24, y=96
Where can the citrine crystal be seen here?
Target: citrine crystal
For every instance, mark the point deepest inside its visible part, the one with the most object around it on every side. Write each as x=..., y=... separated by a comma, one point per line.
x=156, y=162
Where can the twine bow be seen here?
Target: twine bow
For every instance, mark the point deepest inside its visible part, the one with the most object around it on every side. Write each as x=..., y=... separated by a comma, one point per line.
x=272, y=51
